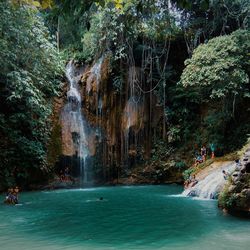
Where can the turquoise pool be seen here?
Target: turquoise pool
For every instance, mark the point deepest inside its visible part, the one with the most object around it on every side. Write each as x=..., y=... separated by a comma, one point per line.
x=136, y=217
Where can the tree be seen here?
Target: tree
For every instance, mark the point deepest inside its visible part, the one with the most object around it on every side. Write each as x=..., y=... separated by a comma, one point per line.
x=217, y=78
x=202, y=20
x=220, y=67
x=28, y=81
x=44, y=4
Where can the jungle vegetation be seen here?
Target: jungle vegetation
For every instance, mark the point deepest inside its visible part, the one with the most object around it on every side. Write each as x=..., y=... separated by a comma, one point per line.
x=194, y=55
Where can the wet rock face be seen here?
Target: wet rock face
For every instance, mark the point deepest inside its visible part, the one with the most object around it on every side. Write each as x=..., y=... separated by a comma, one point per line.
x=151, y=174
x=236, y=197
x=122, y=125
x=121, y=117
x=133, y=116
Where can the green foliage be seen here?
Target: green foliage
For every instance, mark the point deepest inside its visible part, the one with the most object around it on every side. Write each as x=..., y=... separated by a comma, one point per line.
x=202, y=20
x=226, y=199
x=161, y=151
x=45, y=4
x=91, y=27
x=108, y=29
x=220, y=67
x=55, y=145
x=181, y=165
x=174, y=134
x=234, y=195
x=188, y=172
x=206, y=107
x=28, y=80
x=216, y=86
x=69, y=21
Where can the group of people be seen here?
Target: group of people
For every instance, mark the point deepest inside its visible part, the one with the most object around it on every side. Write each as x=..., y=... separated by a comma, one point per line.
x=12, y=196
x=201, y=157
x=203, y=154
x=190, y=182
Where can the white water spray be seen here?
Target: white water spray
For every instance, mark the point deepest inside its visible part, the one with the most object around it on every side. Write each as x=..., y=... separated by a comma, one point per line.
x=73, y=121
x=211, y=185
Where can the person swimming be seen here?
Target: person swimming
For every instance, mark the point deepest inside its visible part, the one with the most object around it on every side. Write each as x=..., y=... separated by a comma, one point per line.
x=16, y=192
x=12, y=196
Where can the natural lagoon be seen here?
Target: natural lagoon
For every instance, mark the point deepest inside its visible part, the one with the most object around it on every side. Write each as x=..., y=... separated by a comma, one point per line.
x=128, y=217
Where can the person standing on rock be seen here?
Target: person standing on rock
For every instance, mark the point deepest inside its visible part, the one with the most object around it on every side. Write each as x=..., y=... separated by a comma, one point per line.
x=212, y=147
x=203, y=153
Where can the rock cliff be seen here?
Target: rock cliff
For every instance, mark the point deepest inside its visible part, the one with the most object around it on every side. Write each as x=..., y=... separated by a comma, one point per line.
x=123, y=123
x=236, y=196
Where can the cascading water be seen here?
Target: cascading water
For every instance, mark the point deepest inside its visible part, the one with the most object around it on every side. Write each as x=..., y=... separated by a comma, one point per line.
x=95, y=74
x=211, y=185
x=73, y=122
x=93, y=83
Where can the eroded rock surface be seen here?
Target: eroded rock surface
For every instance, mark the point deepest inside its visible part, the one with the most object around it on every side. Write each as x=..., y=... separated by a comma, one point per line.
x=236, y=196
x=122, y=126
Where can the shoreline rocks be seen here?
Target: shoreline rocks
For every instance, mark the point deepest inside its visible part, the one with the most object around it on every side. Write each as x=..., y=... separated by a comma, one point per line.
x=235, y=198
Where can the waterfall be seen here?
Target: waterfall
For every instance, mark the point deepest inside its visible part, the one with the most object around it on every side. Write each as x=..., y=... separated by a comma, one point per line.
x=74, y=124
x=93, y=84
x=211, y=185
x=95, y=75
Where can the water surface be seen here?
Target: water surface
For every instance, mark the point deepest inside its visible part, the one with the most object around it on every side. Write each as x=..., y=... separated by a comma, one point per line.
x=140, y=217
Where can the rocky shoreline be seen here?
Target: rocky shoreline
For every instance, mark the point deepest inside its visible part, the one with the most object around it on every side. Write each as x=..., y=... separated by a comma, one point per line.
x=131, y=180
x=235, y=198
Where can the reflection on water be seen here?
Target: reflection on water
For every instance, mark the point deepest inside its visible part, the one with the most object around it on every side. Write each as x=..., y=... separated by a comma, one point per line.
x=140, y=217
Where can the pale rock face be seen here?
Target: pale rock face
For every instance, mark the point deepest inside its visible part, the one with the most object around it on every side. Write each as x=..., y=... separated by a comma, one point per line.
x=96, y=117
x=210, y=183
x=94, y=78
x=133, y=115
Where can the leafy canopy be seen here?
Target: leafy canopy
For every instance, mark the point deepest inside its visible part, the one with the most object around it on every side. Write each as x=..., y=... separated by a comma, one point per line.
x=28, y=80
x=44, y=4
x=221, y=66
